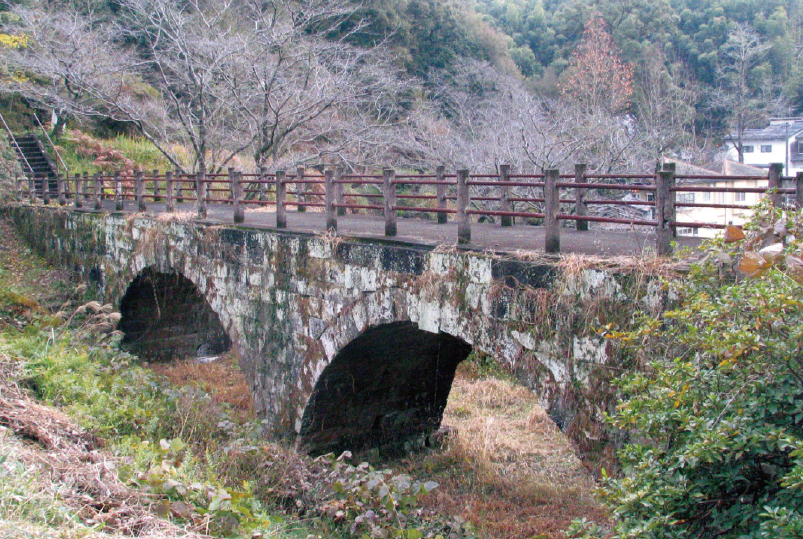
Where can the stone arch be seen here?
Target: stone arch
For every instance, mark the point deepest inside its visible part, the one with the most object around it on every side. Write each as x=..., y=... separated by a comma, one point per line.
x=165, y=316
x=388, y=384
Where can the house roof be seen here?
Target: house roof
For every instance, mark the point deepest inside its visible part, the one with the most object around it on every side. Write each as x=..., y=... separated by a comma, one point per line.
x=780, y=131
x=734, y=168
x=724, y=167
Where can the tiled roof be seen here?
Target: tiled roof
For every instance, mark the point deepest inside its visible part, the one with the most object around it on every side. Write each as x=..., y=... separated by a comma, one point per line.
x=772, y=132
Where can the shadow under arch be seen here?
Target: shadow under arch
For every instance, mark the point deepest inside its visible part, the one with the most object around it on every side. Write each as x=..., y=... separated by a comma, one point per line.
x=389, y=384
x=165, y=316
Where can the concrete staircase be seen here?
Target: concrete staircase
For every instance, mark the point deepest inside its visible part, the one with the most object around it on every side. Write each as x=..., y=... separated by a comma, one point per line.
x=35, y=162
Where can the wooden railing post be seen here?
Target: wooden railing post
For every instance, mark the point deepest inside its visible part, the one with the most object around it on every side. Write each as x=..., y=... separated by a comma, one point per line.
x=672, y=212
x=329, y=200
x=32, y=190
x=551, y=210
x=799, y=190
x=340, y=189
x=263, y=186
x=179, y=186
x=463, y=201
x=62, y=191
x=389, y=195
x=664, y=211
x=504, y=197
x=139, y=190
x=157, y=194
x=440, y=178
x=96, y=191
x=774, y=183
x=200, y=193
x=45, y=190
x=236, y=179
x=85, y=188
x=170, y=195
x=580, y=208
x=78, y=200
x=118, y=192
x=300, y=188
x=281, y=199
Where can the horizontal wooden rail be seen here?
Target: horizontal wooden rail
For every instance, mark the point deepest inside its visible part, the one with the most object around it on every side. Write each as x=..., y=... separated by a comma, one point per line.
x=544, y=197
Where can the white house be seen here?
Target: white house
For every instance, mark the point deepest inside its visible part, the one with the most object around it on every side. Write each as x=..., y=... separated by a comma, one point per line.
x=744, y=176
x=780, y=142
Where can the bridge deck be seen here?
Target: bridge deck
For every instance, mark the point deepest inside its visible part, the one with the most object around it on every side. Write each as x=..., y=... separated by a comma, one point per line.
x=485, y=236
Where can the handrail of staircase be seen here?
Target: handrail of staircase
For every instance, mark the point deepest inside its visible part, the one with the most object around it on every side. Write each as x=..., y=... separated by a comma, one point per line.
x=13, y=140
x=51, y=144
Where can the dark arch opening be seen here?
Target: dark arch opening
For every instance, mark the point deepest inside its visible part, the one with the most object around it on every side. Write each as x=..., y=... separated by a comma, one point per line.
x=165, y=316
x=389, y=384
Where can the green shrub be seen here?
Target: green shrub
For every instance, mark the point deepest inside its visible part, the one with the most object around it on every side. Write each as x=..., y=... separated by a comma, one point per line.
x=716, y=416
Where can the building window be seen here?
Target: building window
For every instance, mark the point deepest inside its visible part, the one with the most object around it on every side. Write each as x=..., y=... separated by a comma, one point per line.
x=766, y=148
x=685, y=231
x=706, y=196
x=686, y=198
x=799, y=145
x=739, y=197
x=747, y=149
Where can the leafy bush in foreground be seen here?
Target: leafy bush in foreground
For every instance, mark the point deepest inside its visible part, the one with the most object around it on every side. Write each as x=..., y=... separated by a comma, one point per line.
x=717, y=414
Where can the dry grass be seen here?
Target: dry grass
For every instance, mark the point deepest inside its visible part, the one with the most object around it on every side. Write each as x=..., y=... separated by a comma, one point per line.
x=573, y=264
x=221, y=379
x=56, y=464
x=508, y=468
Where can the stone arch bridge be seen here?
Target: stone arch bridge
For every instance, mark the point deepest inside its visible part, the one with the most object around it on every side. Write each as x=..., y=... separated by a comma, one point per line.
x=351, y=343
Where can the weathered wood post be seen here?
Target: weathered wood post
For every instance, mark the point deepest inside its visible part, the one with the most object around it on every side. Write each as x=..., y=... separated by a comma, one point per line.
x=281, y=199
x=580, y=208
x=85, y=188
x=179, y=186
x=139, y=190
x=62, y=191
x=79, y=196
x=263, y=184
x=118, y=192
x=463, y=201
x=170, y=195
x=672, y=200
x=200, y=193
x=96, y=191
x=236, y=179
x=300, y=188
x=799, y=190
x=45, y=190
x=389, y=196
x=157, y=191
x=32, y=190
x=329, y=200
x=551, y=210
x=340, y=189
x=664, y=211
x=774, y=183
x=504, y=197
x=440, y=186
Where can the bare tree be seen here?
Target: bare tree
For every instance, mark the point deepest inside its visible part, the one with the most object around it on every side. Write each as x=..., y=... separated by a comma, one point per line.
x=746, y=100
x=217, y=76
x=70, y=64
x=299, y=89
x=664, y=102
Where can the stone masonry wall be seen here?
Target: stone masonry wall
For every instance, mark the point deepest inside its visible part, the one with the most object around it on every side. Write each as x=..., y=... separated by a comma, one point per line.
x=290, y=303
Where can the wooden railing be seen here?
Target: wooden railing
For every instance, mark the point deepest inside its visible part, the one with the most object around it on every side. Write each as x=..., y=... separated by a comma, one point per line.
x=537, y=198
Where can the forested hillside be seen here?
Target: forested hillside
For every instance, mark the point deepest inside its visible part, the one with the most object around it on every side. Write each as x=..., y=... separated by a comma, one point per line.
x=464, y=83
